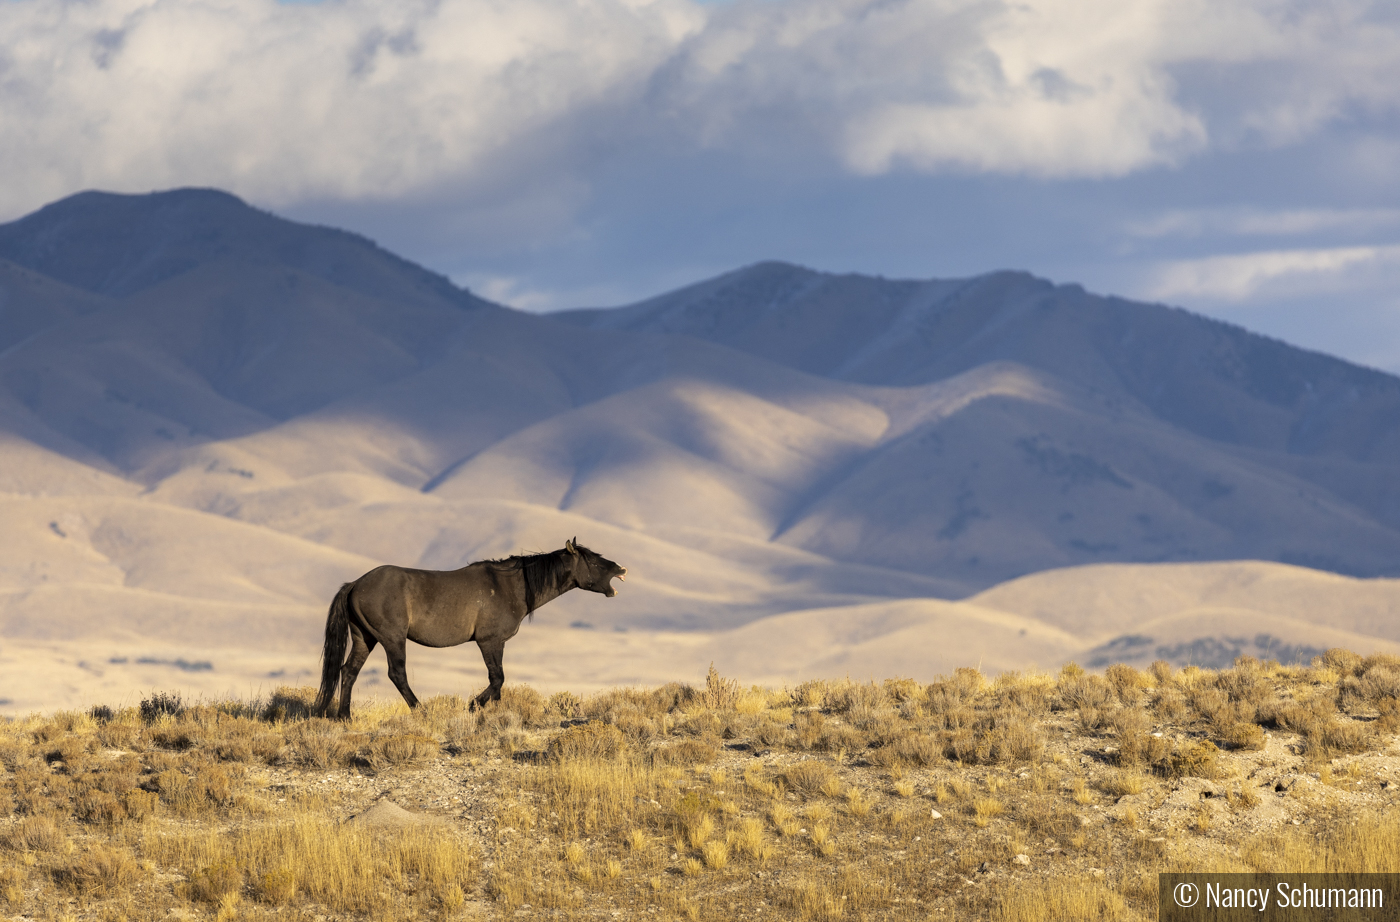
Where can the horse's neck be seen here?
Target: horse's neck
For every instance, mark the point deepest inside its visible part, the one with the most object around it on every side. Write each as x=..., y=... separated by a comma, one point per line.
x=548, y=590
x=550, y=593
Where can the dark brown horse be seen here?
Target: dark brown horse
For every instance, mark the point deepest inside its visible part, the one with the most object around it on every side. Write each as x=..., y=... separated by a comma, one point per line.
x=484, y=601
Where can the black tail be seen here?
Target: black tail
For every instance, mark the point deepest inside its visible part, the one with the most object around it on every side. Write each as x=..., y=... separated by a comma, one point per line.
x=333, y=655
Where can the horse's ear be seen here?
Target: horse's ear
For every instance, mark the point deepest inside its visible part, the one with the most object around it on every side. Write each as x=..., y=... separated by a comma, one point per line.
x=569, y=546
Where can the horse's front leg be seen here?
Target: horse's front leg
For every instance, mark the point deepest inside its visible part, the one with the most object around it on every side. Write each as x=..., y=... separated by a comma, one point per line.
x=491, y=652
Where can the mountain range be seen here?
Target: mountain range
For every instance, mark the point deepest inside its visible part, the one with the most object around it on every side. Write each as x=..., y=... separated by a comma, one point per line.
x=211, y=416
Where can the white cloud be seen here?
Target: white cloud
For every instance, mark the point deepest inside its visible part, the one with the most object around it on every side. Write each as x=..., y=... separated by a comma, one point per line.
x=360, y=99
x=348, y=99
x=1052, y=88
x=1246, y=276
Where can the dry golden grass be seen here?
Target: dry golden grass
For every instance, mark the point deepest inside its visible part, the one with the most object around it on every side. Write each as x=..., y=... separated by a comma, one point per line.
x=1365, y=845
x=986, y=809
x=1062, y=899
x=783, y=819
x=1122, y=783
x=834, y=800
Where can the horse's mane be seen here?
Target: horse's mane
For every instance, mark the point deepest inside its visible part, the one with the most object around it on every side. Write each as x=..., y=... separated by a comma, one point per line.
x=540, y=571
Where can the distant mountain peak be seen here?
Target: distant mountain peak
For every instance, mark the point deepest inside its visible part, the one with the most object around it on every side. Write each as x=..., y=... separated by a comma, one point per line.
x=117, y=244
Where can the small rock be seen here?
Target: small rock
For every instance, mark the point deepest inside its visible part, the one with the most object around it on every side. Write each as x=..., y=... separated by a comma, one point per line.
x=935, y=814
x=1083, y=820
x=1022, y=859
x=984, y=867
x=1096, y=872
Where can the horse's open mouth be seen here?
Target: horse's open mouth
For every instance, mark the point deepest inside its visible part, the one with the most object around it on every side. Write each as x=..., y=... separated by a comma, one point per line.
x=621, y=577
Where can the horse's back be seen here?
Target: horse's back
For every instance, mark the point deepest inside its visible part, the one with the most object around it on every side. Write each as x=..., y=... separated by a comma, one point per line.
x=437, y=608
x=389, y=579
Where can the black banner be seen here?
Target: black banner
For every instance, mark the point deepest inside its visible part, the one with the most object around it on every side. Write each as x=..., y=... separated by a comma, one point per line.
x=1278, y=897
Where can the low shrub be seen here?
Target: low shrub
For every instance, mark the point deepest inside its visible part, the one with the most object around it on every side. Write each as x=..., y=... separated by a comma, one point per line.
x=400, y=749
x=34, y=833
x=276, y=887
x=1343, y=662
x=593, y=740
x=720, y=694
x=684, y=752
x=1079, y=691
x=96, y=871
x=213, y=882
x=1127, y=683
x=812, y=777
x=161, y=704
x=1196, y=760
x=288, y=703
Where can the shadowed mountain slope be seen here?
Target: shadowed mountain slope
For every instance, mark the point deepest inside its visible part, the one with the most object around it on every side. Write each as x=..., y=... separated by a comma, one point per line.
x=1204, y=376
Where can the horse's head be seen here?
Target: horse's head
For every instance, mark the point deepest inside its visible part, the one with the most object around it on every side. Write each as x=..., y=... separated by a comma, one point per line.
x=593, y=571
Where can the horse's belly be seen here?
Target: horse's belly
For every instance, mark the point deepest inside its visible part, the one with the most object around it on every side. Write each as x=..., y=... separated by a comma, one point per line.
x=440, y=634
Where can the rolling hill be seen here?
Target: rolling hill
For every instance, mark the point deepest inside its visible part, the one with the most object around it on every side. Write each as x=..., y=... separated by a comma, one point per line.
x=211, y=416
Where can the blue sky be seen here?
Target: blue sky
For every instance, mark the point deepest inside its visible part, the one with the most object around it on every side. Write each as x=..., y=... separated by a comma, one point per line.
x=1236, y=157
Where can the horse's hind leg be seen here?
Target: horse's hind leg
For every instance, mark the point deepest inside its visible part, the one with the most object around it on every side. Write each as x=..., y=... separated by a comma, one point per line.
x=398, y=672
x=492, y=654
x=361, y=643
